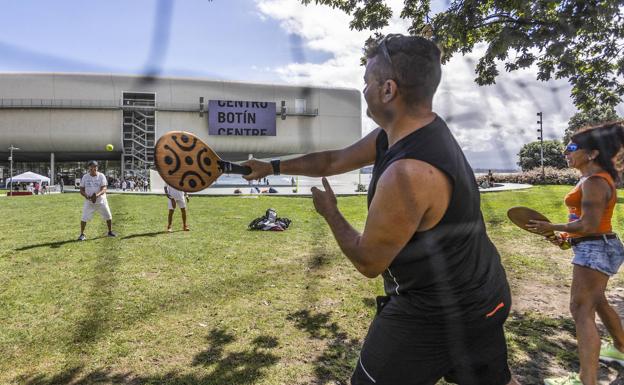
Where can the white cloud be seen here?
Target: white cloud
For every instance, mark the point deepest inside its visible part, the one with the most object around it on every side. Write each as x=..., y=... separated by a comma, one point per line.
x=498, y=119
x=325, y=29
x=491, y=123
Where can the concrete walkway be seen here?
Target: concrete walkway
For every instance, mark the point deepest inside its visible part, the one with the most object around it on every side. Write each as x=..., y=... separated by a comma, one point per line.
x=506, y=187
x=339, y=189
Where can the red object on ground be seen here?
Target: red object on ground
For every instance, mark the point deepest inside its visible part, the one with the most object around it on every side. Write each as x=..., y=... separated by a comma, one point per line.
x=18, y=193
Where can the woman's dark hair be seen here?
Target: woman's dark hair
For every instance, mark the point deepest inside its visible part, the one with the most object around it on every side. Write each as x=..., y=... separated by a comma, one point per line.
x=608, y=139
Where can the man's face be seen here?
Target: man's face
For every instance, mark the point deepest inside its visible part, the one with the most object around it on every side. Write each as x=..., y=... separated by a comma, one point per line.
x=93, y=170
x=372, y=90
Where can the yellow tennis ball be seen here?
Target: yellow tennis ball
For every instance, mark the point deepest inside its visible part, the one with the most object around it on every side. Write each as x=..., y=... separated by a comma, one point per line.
x=109, y=147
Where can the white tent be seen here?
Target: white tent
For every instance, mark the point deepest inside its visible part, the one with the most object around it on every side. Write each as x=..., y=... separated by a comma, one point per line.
x=28, y=177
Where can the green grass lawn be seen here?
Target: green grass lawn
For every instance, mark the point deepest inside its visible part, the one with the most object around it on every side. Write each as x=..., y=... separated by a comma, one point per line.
x=220, y=304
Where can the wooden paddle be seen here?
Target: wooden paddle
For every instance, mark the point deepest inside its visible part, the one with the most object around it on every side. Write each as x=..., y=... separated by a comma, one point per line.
x=188, y=164
x=521, y=216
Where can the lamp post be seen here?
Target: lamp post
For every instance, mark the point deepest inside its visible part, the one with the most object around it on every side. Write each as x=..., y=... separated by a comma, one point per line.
x=12, y=148
x=541, y=139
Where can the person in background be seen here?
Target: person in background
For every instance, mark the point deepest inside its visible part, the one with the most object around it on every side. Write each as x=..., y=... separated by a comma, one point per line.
x=177, y=198
x=93, y=188
x=598, y=251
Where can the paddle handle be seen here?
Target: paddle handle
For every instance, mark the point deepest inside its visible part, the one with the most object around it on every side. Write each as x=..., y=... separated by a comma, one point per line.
x=233, y=168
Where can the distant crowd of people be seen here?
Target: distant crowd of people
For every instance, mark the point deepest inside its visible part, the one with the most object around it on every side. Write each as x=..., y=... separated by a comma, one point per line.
x=130, y=184
x=35, y=188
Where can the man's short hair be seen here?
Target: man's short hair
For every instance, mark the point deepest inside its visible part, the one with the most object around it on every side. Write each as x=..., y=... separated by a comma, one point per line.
x=414, y=65
x=92, y=163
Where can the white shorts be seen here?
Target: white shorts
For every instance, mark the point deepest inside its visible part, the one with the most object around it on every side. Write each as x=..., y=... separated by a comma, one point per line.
x=90, y=208
x=181, y=204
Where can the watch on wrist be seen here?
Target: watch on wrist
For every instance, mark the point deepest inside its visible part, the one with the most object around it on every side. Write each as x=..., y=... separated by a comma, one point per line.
x=276, y=166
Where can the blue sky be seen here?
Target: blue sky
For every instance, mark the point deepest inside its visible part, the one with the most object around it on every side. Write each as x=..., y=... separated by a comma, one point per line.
x=218, y=39
x=276, y=41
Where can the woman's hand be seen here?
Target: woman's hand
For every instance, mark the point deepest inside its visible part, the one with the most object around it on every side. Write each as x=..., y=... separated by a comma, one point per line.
x=556, y=239
x=540, y=227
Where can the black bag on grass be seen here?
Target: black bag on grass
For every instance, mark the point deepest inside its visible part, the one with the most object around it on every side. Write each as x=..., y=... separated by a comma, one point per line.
x=269, y=222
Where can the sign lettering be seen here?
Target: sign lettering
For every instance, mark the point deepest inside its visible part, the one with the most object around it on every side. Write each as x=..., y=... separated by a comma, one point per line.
x=241, y=118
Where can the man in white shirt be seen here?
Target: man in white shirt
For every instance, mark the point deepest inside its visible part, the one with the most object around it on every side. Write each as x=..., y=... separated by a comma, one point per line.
x=93, y=188
x=176, y=198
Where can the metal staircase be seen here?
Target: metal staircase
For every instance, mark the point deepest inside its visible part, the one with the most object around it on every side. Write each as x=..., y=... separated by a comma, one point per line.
x=138, y=133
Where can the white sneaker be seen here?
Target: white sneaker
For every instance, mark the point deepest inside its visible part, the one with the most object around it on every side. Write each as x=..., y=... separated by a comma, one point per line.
x=609, y=353
x=570, y=379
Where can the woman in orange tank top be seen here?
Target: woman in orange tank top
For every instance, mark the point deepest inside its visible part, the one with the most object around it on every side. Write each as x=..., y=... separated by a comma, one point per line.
x=598, y=252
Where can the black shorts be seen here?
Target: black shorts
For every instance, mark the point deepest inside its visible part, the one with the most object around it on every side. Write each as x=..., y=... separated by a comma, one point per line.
x=402, y=350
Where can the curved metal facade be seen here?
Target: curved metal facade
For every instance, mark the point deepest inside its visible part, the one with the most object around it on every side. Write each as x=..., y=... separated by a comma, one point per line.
x=76, y=115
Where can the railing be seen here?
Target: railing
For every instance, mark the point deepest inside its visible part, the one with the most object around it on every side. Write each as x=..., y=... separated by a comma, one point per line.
x=123, y=104
x=59, y=103
x=294, y=112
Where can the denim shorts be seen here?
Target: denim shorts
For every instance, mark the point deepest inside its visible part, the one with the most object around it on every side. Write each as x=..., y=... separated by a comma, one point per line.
x=603, y=256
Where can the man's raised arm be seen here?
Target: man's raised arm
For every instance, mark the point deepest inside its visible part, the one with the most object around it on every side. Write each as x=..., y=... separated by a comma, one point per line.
x=323, y=163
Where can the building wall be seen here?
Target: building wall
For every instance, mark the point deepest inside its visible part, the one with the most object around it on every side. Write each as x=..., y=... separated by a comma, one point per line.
x=88, y=130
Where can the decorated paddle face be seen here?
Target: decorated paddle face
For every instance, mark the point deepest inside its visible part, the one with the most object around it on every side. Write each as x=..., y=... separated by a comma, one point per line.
x=188, y=164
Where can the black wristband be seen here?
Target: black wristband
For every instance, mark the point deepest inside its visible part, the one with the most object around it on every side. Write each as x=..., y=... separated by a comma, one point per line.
x=276, y=166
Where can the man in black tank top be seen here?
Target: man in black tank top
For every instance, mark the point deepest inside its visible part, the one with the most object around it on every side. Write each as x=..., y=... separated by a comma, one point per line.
x=447, y=296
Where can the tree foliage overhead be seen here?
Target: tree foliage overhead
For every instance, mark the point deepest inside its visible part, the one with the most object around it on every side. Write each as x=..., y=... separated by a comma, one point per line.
x=578, y=40
x=592, y=117
x=530, y=156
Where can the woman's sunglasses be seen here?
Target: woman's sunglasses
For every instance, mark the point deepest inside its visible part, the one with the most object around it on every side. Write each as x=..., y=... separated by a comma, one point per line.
x=572, y=147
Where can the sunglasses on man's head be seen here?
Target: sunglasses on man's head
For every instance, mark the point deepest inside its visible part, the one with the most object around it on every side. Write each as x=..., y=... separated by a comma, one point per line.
x=572, y=147
x=384, y=48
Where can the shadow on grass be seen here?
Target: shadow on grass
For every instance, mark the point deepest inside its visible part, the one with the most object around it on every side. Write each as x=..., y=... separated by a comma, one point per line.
x=150, y=234
x=235, y=368
x=369, y=302
x=336, y=362
x=317, y=263
x=99, y=317
x=244, y=367
x=539, y=344
x=98, y=304
x=56, y=245
x=619, y=380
